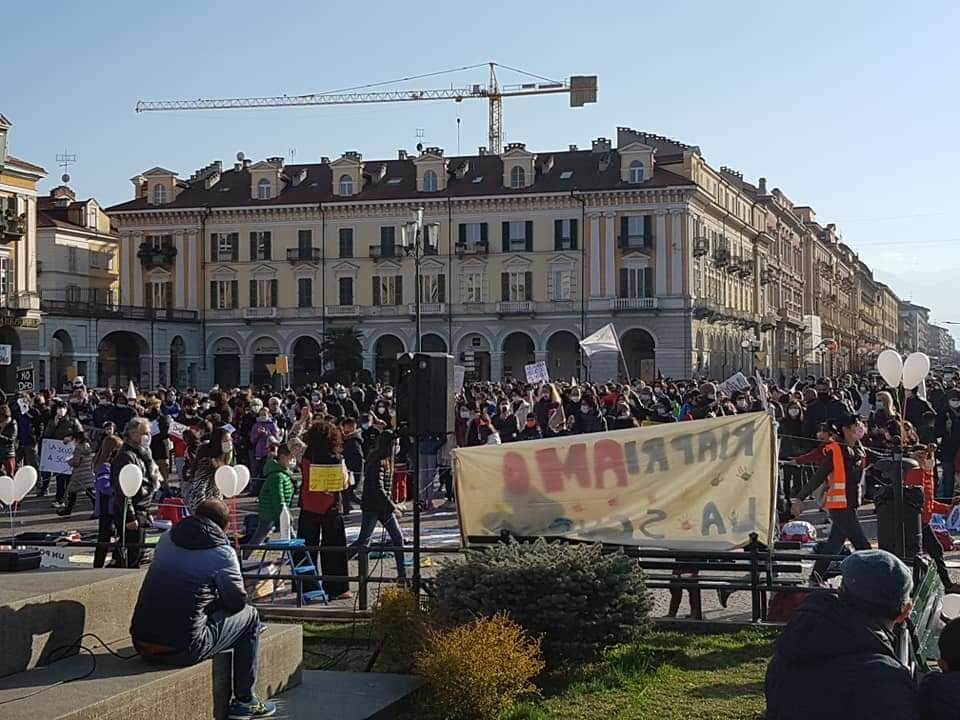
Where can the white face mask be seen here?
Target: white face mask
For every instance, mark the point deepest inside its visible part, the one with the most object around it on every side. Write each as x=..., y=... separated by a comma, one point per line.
x=465, y=414
x=955, y=404
x=794, y=412
x=584, y=408
x=145, y=440
x=741, y=405
x=61, y=412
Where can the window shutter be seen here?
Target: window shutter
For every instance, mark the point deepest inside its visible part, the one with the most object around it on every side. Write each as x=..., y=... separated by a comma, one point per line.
x=624, y=231
x=168, y=288
x=274, y=287
x=213, y=294
x=376, y=290
x=648, y=282
x=463, y=234
x=624, y=282
x=213, y=247
x=441, y=288
x=505, y=287
x=268, y=247
x=253, y=246
x=398, y=290
x=235, y=243
x=528, y=286
x=528, y=235
x=574, y=238
x=483, y=233
x=558, y=234
x=234, y=294
x=505, y=228
x=253, y=293
x=647, y=231
x=147, y=296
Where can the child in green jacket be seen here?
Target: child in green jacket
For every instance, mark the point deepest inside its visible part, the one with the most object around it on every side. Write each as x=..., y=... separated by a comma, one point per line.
x=277, y=492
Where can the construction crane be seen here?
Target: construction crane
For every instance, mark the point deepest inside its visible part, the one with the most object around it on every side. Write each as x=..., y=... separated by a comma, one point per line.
x=582, y=90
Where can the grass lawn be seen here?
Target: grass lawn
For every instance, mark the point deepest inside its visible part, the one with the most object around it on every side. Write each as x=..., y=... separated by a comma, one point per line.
x=668, y=676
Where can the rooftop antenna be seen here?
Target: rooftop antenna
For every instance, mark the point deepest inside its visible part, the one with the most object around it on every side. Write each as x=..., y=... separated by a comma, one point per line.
x=65, y=160
x=458, y=136
x=292, y=154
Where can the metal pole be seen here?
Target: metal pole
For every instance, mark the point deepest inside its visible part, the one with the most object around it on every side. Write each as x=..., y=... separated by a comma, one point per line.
x=417, y=250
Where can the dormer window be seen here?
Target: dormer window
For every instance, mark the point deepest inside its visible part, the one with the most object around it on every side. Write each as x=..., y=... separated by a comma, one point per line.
x=429, y=181
x=518, y=178
x=346, y=185
x=264, y=189
x=636, y=172
x=159, y=194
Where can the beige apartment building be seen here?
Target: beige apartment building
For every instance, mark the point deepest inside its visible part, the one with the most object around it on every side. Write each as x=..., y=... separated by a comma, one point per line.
x=889, y=317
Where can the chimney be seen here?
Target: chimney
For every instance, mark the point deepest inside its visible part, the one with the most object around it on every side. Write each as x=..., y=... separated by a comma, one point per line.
x=601, y=144
x=434, y=151
x=763, y=185
x=573, y=148
x=62, y=196
x=246, y=163
x=482, y=150
x=324, y=160
x=237, y=166
x=276, y=161
x=401, y=154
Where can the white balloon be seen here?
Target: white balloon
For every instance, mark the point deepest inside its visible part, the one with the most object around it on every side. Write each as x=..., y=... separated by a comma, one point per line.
x=950, y=607
x=23, y=481
x=131, y=479
x=6, y=490
x=226, y=479
x=243, y=477
x=890, y=367
x=915, y=369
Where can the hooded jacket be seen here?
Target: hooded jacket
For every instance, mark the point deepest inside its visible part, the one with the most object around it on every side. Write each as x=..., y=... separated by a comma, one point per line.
x=194, y=573
x=832, y=660
x=940, y=695
x=276, y=492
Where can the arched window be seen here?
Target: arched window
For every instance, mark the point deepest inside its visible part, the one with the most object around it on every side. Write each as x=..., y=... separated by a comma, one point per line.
x=636, y=172
x=264, y=189
x=518, y=178
x=346, y=185
x=159, y=194
x=429, y=181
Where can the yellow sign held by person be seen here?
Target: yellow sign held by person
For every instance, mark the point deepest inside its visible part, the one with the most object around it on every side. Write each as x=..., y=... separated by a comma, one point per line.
x=700, y=484
x=283, y=364
x=328, y=478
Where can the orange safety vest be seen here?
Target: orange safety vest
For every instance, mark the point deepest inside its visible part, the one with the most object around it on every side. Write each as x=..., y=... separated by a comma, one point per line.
x=836, y=498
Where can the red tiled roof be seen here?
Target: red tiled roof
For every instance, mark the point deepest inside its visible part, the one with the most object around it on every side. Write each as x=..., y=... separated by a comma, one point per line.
x=233, y=189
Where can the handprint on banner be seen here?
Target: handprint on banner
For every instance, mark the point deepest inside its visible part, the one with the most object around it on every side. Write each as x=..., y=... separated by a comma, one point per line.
x=685, y=523
x=745, y=474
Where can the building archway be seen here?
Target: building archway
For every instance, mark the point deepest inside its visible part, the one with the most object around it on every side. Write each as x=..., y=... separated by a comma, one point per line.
x=61, y=358
x=8, y=373
x=518, y=351
x=473, y=352
x=639, y=353
x=265, y=351
x=433, y=343
x=121, y=356
x=307, y=364
x=226, y=363
x=563, y=355
x=386, y=350
x=178, y=363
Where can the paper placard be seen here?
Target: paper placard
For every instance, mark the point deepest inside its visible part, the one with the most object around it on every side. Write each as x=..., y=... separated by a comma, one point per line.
x=54, y=455
x=537, y=372
x=735, y=383
x=459, y=373
x=327, y=478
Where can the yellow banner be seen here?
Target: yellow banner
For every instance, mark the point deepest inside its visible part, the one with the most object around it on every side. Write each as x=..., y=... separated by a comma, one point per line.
x=700, y=484
x=327, y=478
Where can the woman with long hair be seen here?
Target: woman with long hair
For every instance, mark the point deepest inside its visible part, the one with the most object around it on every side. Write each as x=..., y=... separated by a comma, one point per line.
x=376, y=504
x=321, y=506
x=211, y=456
x=549, y=411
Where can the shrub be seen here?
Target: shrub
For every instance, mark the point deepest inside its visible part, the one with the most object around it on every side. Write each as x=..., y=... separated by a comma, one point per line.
x=576, y=597
x=398, y=626
x=477, y=671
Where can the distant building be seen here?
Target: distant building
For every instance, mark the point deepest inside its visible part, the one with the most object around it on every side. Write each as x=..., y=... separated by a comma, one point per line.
x=941, y=346
x=914, y=327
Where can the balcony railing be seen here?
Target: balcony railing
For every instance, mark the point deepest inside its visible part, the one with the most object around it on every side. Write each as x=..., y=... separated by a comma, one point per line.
x=633, y=304
x=303, y=255
x=120, y=312
x=13, y=223
x=259, y=313
x=515, y=308
x=152, y=256
x=343, y=311
x=471, y=248
x=381, y=251
x=429, y=308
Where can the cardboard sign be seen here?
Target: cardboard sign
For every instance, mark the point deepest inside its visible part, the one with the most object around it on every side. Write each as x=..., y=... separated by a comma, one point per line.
x=177, y=429
x=25, y=379
x=735, y=383
x=6, y=354
x=537, y=373
x=459, y=373
x=699, y=484
x=54, y=455
x=327, y=478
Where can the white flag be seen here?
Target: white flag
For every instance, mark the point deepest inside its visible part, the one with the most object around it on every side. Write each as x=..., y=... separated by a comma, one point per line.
x=131, y=391
x=604, y=339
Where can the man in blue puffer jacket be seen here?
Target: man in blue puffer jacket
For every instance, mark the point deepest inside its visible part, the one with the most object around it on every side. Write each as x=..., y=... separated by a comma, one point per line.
x=193, y=605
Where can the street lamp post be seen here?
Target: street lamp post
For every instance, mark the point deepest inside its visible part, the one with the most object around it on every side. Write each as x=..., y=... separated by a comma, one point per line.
x=417, y=239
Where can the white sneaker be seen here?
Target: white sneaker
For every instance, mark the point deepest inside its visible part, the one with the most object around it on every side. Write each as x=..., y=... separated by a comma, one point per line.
x=56, y=504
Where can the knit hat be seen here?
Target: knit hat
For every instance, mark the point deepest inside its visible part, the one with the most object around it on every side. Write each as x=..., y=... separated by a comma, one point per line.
x=877, y=580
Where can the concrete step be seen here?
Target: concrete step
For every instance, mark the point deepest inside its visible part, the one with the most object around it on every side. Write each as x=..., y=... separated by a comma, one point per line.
x=134, y=690
x=45, y=609
x=359, y=696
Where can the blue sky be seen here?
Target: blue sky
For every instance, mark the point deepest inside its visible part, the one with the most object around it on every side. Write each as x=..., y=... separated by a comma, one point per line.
x=848, y=107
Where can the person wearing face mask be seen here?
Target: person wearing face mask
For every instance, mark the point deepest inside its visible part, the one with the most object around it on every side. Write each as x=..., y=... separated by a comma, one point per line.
x=914, y=407
x=479, y=428
x=213, y=454
x=621, y=417
x=170, y=407
x=842, y=468
x=121, y=413
x=530, y=431
x=742, y=403
x=348, y=407
x=275, y=494
x=792, y=444
x=549, y=408
x=263, y=433
x=588, y=418
x=826, y=408
x=61, y=426
x=506, y=422
x=135, y=451
x=948, y=430
x=277, y=414
x=923, y=477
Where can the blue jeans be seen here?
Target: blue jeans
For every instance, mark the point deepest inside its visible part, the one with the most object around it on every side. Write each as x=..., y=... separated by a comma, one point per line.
x=264, y=528
x=368, y=523
x=239, y=632
x=427, y=469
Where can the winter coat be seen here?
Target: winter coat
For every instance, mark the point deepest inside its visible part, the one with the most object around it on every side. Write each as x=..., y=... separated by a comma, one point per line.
x=940, y=696
x=82, y=463
x=104, y=492
x=260, y=436
x=375, y=497
x=59, y=428
x=822, y=411
x=833, y=656
x=8, y=440
x=120, y=415
x=139, y=504
x=353, y=454
x=530, y=433
x=170, y=410
x=204, y=485
x=194, y=573
x=277, y=491
x=478, y=434
x=948, y=430
x=914, y=410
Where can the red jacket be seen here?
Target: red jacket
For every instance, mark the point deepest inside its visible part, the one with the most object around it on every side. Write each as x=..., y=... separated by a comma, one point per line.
x=918, y=477
x=814, y=457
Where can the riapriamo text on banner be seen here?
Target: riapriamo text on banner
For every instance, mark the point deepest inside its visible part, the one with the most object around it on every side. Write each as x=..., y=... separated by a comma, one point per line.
x=699, y=484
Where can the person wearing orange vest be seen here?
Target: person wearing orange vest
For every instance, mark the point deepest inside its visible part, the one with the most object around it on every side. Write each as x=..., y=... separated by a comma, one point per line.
x=842, y=469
